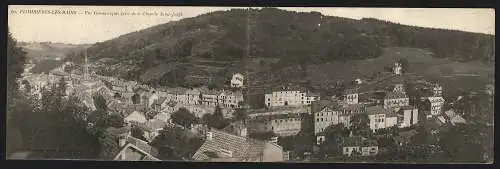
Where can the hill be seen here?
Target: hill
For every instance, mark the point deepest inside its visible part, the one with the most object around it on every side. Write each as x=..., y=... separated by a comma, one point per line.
x=288, y=43
x=40, y=51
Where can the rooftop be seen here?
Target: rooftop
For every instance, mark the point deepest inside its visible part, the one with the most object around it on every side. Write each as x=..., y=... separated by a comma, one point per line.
x=241, y=148
x=321, y=104
x=372, y=110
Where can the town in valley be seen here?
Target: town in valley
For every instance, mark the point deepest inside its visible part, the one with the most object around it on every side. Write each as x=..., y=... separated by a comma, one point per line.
x=392, y=115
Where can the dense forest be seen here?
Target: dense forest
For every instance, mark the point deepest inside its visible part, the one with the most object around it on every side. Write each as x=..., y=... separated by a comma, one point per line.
x=292, y=37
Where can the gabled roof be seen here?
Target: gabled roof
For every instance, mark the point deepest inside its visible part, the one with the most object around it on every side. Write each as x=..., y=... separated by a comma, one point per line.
x=318, y=106
x=153, y=125
x=136, y=116
x=241, y=148
x=135, y=153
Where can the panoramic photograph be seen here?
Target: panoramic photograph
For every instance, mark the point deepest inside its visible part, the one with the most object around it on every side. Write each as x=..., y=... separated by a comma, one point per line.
x=250, y=84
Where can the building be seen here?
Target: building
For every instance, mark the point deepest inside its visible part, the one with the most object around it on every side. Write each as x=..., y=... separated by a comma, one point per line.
x=397, y=69
x=130, y=148
x=348, y=110
x=152, y=128
x=359, y=146
x=453, y=118
x=135, y=117
x=237, y=80
x=408, y=116
x=220, y=146
x=381, y=118
x=281, y=124
x=434, y=105
x=289, y=98
x=230, y=99
x=351, y=96
x=437, y=90
x=396, y=100
x=326, y=113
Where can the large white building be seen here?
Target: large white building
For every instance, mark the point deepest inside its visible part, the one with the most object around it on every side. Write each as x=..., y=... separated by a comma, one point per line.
x=237, y=80
x=381, y=118
x=434, y=105
x=407, y=117
x=396, y=98
x=327, y=113
x=289, y=98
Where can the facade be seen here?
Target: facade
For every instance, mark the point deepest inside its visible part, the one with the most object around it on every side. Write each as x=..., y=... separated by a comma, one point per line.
x=434, y=105
x=381, y=118
x=359, y=146
x=280, y=124
x=220, y=146
x=397, y=69
x=408, y=116
x=237, y=80
x=325, y=113
x=437, y=90
x=396, y=100
x=289, y=98
x=351, y=96
x=230, y=99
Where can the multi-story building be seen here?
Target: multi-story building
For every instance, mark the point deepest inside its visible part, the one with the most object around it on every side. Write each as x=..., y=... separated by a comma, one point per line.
x=289, y=98
x=381, y=118
x=237, y=80
x=326, y=113
x=433, y=105
x=396, y=100
x=408, y=116
x=280, y=124
x=231, y=99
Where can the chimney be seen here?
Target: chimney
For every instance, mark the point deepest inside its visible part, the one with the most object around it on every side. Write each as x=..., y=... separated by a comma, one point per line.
x=122, y=140
x=210, y=135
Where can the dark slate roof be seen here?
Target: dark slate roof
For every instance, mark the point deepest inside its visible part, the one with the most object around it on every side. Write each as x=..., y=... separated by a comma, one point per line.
x=243, y=149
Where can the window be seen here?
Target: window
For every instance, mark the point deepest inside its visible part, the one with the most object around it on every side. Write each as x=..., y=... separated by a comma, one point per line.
x=317, y=119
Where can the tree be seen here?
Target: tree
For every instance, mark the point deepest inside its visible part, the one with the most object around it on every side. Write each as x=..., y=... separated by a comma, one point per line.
x=461, y=144
x=217, y=119
x=333, y=138
x=100, y=103
x=184, y=118
x=138, y=133
x=240, y=114
x=360, y=125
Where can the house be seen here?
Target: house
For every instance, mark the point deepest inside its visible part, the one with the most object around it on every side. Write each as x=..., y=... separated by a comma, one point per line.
x=281, y=124
x=359, y=146
x=135, y=117
x=434, y=105
x=381, y=118
x=351, y=96
x=396, y=100
x=220, y=146
x=404, y=138
x=346, y=111
x=453, y=117
x=408, y=116
x=437, y=90
x=326, y=113
x=230, y=99
x=397, y=69
x=152, y=128
x=210, y=97
x=237, y=128
x=237, y=80
x=130, y=148
x=289, y=98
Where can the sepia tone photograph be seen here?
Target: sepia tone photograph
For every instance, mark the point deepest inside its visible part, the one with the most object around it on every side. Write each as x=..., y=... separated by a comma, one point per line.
x=250, y=84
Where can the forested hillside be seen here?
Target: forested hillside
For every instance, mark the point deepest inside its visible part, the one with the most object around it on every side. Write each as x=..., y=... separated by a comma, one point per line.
x=211, y=43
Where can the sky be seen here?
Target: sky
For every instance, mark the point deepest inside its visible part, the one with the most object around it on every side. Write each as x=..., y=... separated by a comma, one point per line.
x=91, y=24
